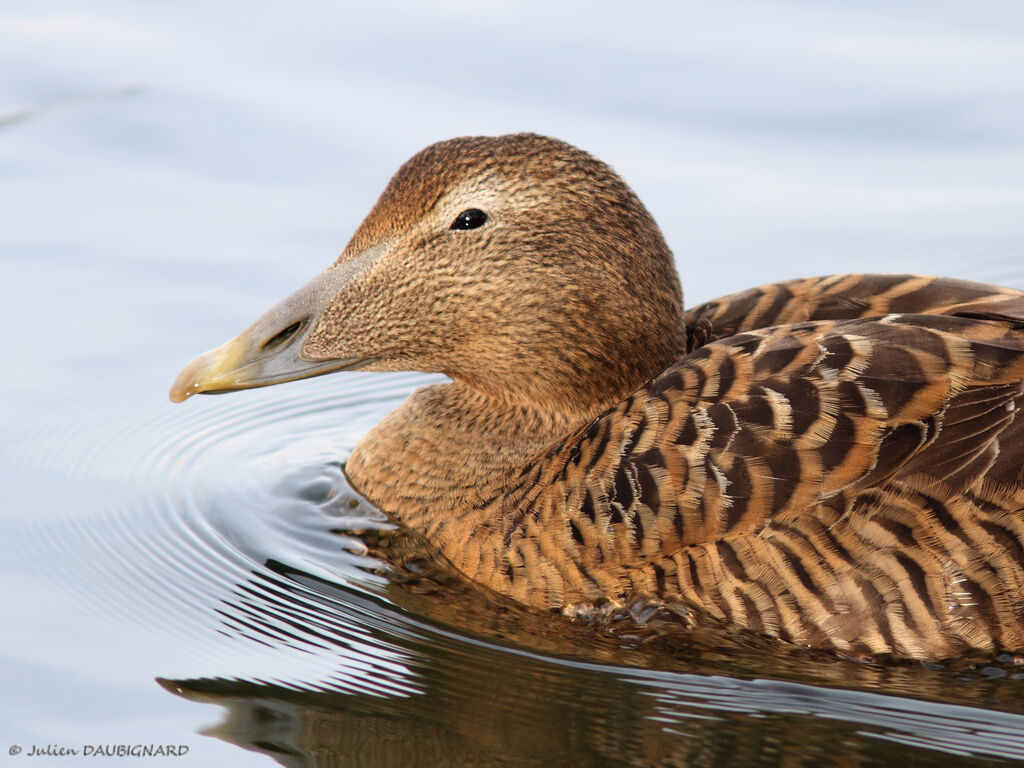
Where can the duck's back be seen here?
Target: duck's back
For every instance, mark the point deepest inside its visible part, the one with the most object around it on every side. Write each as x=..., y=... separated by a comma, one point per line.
x=846, y=483
x=839, y=297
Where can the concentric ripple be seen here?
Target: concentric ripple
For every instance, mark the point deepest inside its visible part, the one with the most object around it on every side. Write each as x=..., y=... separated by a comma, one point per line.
x=172, y=517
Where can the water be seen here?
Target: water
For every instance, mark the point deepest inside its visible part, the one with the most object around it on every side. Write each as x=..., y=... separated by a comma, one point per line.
x=168, y=171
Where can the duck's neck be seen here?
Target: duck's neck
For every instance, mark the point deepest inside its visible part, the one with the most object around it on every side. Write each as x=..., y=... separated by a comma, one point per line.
x=449, y=450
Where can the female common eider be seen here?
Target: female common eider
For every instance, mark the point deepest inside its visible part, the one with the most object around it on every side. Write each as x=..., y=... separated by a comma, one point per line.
x=834, y=461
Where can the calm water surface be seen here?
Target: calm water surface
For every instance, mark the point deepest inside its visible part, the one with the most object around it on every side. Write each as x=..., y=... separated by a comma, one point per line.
x=201, y=575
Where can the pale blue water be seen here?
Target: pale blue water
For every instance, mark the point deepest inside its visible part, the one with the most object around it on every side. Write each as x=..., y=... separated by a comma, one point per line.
x=167, y=171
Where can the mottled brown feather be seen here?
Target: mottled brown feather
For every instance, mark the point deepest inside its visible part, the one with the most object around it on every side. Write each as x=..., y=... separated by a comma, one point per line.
x=863, y=530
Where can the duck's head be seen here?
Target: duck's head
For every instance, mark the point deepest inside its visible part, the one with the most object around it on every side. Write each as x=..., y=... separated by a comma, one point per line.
x=517, y=264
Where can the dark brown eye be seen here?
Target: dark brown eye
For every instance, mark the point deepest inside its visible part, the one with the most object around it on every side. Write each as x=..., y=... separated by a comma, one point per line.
x=470, y=219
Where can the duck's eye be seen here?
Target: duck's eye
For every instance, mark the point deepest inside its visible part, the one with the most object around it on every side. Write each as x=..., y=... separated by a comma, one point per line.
x=470, y=219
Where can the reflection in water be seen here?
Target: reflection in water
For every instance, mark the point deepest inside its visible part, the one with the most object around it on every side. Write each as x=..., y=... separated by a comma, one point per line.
x=502, y=728
x=433, y=671
x=465, y=700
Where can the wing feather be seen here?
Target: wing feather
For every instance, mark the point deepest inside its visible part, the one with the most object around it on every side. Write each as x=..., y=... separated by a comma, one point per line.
x=825, y=481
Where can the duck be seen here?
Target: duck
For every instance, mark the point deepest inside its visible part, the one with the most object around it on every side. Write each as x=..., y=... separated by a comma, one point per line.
x=835, y=462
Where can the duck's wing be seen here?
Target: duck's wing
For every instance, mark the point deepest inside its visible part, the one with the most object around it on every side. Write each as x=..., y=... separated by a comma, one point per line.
x=836, y=297
x=709, y=482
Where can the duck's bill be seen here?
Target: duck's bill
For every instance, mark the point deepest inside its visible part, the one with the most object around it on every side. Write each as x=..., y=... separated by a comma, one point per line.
x=270, y=351
x=232, y=366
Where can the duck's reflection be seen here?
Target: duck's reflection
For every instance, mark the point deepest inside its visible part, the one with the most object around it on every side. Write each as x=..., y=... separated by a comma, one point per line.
x=511, y=688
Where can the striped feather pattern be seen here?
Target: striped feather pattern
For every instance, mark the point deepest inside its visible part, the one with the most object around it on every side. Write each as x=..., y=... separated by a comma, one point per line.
x=853, y=484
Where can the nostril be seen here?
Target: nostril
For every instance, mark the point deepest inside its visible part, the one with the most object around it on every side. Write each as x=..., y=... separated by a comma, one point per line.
x=283, y=336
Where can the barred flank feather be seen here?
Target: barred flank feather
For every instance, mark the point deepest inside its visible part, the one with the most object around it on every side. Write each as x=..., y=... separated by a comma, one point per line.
x=854, y=484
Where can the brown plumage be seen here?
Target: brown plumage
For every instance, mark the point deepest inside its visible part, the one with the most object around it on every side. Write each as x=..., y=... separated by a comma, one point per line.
x=833, y=461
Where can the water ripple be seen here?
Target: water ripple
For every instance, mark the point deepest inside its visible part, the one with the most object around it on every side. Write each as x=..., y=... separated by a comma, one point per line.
x=175, y=519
